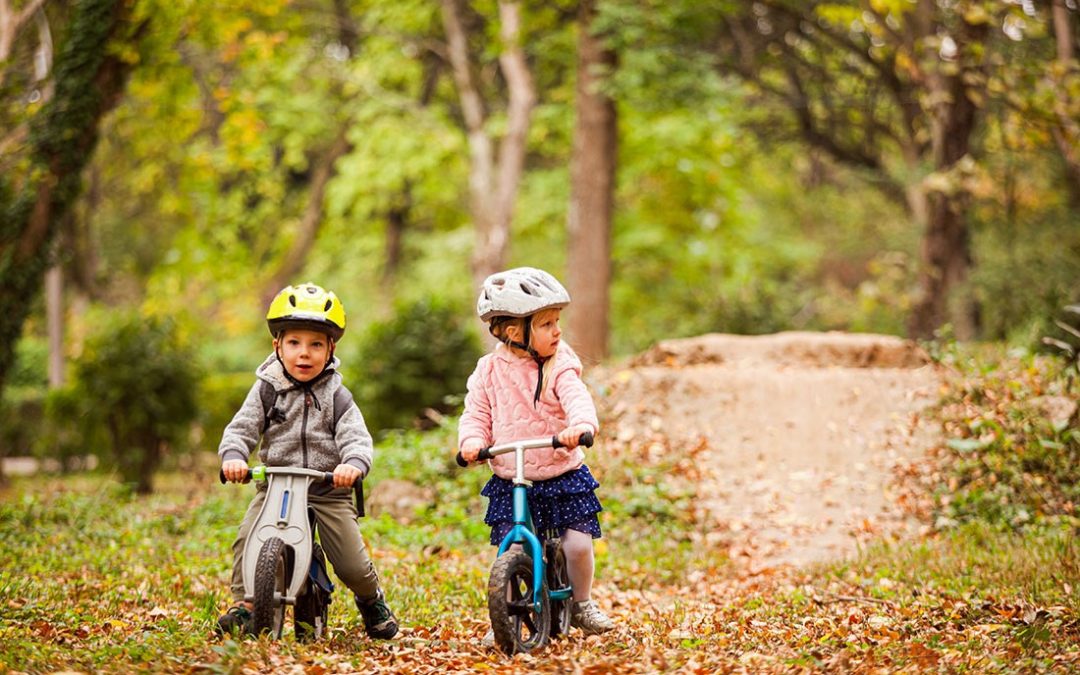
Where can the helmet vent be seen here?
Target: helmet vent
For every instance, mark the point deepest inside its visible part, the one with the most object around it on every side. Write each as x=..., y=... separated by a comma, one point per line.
x=292, y=300
x=526, y=290
x=328, y=305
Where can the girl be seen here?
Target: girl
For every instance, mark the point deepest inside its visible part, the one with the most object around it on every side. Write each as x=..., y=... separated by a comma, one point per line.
x=530, y=386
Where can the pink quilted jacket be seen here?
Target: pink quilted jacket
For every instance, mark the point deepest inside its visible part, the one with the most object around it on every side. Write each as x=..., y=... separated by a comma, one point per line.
x=499, y=409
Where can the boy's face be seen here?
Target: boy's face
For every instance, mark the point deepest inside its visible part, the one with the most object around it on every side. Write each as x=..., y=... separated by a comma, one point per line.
x=304, y=352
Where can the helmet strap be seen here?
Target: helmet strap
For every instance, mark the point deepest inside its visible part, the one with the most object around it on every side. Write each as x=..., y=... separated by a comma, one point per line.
x=525, y=346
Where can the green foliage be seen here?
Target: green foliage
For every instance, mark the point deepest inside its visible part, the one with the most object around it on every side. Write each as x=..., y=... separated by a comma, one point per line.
x=414, y=361
x=1026, y=273
x=69, y=432
x=139, y=382
x=1013, y=444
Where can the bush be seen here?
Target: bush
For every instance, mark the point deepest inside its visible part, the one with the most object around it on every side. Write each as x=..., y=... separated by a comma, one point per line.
x=141, y=383
x=414, y=361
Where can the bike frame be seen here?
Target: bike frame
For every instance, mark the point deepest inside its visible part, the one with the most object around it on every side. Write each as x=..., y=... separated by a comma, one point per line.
x=523, y=532
x=283, y=515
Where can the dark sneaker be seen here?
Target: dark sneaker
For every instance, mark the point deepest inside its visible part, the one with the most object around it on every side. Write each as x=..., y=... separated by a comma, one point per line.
x=236, y=620
x=379, y=622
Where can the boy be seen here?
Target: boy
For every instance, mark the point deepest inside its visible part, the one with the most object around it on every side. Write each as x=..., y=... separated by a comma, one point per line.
x=301, y=378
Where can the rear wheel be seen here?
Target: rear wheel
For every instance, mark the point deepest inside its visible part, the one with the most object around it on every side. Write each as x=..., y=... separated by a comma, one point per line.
x=516, y=622
x=270, y=579
x=557, y=579
x=312, y=605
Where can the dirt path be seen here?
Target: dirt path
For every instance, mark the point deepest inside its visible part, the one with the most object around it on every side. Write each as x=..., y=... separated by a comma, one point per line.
x=798, y=433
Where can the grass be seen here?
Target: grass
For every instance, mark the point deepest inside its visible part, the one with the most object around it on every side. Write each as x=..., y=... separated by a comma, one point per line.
x=95, y=579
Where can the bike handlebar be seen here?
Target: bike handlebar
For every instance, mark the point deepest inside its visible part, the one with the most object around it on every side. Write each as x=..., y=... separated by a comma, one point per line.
x=324, y=477
x=259, y=473
x=493, y=450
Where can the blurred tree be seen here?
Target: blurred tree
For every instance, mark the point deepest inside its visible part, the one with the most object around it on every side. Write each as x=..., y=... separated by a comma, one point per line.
x=42, y=167
x=592, y=188
x=495, y=168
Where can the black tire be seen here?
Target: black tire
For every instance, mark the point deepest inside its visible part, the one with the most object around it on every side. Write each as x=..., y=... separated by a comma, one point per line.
x=517, y=626
x=558, y=578
x=270, y=580
x=312, y=606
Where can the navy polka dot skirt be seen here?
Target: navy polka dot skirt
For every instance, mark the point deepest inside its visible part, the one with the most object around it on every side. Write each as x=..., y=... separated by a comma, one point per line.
x=566, y=502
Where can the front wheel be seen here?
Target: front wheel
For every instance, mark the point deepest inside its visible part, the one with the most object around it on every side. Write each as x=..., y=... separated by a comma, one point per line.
x=270, y=579
x=515, y=621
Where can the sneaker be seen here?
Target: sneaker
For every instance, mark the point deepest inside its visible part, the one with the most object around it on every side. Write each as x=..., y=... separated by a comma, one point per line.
x=379, y=622
x=489, y=639
x=588, y=616
x=237, y=619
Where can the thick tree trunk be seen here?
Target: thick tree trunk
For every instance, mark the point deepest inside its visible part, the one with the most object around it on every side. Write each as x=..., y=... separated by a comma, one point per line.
x=89, y=80
x=592, y=185
x=946, y=249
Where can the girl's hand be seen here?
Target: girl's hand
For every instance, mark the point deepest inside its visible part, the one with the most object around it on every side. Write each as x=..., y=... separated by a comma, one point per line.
x=234, y=470
x=470, y=450
x=345, y=475
x=570, y=436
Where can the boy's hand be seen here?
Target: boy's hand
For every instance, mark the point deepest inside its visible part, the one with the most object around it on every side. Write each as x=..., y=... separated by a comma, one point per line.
x=345, y=475
x=569, y=437
x=470, y=449
x=234, y=470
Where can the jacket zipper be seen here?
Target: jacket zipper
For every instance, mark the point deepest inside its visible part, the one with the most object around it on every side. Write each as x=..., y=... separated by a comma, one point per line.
x=303, y=428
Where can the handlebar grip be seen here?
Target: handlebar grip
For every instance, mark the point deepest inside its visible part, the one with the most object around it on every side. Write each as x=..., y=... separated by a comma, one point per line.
x=221, y=476
x=585, y=439
x=484, y=454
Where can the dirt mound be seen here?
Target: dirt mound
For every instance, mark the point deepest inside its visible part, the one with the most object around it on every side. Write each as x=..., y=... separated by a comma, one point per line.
x=796, y=435
x=819, y=350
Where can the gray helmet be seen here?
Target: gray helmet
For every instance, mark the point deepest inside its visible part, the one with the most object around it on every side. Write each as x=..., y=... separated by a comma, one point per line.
x=522, y=291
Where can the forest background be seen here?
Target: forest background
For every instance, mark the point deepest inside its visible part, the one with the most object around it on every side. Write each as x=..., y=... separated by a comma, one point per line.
x=907, y=167
x=890, y=166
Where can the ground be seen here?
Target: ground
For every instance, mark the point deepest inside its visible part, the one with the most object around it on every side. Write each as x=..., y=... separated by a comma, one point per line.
x=797, y=436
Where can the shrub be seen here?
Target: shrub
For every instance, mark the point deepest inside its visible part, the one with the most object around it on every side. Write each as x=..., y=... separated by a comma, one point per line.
x=414, y=361
x=141, y=383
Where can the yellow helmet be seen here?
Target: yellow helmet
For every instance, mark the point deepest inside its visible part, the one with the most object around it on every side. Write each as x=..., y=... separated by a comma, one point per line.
x=306, y=307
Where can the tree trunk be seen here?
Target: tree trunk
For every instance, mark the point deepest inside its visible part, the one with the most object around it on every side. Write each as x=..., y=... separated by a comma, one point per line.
x=1066, y=132
x=493, y=187
x=946, y=249
x=294, y=260
x=592, y=185
x=89, y=79
x=397, y=221
x=54, y=321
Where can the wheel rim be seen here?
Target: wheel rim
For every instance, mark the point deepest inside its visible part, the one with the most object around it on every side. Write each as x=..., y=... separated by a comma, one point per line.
x=517, y=624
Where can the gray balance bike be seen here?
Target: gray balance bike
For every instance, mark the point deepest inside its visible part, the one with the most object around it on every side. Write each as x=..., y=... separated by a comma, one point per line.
x=283, y=564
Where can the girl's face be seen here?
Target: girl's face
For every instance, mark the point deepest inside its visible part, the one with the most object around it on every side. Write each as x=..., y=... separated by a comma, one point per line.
x=546, y=332
x=305, y=353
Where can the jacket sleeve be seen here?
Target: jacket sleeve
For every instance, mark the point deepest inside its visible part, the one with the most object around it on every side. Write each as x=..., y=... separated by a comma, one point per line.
x=475, y=422
x=575, y=398
x=354, y=440
x=242, y=434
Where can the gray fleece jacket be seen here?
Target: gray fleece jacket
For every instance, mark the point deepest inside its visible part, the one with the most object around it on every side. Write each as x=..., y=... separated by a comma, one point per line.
x=304, y=435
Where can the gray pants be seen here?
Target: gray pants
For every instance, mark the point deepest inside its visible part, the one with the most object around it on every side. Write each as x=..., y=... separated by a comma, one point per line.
x=340, y=538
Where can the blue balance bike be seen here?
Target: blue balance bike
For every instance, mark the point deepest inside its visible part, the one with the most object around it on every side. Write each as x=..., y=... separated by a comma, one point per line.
x=529, y=593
